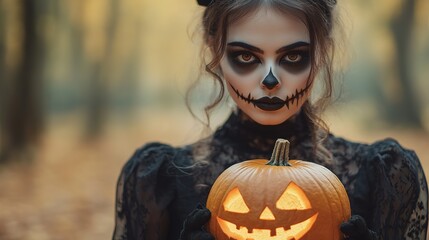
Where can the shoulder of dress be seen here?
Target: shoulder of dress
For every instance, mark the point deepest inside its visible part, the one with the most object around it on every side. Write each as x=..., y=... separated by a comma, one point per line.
x=154, y=149
x=149, y=158
x=396, y=171
x=390, y=159
x=390, y=150
x=144, y=175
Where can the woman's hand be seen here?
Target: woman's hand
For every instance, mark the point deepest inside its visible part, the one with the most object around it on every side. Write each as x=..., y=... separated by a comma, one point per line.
x=355, y=229
x=193, y=225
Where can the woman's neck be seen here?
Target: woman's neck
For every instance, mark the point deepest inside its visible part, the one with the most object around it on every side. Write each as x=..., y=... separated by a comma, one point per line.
x=249, y=134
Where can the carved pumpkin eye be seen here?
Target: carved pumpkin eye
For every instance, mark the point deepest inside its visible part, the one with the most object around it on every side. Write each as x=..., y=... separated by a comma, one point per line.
x=293, y=198
x=234, y=202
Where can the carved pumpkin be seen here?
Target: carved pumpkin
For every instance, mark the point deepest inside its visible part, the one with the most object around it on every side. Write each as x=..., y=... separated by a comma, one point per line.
x=278, y=199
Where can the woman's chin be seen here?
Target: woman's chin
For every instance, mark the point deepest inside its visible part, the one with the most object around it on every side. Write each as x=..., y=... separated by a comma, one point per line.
x=269, y=117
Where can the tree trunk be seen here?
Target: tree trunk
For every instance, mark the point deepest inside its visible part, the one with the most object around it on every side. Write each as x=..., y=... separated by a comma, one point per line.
x=407, y=108
x=23, y=121
x=100, y=77
x=3, y=81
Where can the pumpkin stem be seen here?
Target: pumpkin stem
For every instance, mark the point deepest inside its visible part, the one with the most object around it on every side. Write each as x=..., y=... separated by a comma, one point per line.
x=280, y=156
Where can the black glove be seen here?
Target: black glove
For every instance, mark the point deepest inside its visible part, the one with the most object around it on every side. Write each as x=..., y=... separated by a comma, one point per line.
x=355, y=229
x=194, y=223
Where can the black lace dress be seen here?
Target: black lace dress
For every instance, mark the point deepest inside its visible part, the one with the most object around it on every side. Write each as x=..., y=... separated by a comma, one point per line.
x=161, y=184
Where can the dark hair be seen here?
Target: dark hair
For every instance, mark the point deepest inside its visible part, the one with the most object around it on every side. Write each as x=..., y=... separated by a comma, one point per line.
x=316, y=14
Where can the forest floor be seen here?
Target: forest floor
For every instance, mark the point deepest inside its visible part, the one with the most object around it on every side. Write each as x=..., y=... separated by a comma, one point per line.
x=67, y=191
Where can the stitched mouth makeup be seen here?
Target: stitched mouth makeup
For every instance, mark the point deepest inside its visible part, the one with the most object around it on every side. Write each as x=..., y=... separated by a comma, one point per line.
x=273, y=103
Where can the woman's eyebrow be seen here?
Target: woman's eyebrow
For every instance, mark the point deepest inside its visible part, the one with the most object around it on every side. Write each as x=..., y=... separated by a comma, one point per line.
x=246, y=46
x=258, y=50
x=292, y=46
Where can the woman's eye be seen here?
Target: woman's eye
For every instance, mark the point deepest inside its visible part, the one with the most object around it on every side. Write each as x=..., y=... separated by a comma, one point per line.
x=294, y=57
x=246, y=58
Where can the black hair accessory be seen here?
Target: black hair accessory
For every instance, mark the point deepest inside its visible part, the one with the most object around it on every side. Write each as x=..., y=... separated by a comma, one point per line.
x=204, y=3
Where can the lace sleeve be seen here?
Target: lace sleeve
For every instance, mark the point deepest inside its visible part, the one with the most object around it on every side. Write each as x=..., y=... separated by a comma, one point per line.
x=141, y=207
x=399, y=194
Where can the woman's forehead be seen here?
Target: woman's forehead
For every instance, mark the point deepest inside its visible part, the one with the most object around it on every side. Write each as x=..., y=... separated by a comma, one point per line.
x=266, y=28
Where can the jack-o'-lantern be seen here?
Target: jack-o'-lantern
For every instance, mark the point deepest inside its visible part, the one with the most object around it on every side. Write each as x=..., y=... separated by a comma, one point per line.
x=279, y=199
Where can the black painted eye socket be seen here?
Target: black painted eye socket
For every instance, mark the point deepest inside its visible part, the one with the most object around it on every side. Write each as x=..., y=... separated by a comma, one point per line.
x=295, y=61
x=242, y=61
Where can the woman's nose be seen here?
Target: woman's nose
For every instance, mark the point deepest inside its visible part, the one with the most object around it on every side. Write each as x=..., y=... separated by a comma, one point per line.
x=270, y=81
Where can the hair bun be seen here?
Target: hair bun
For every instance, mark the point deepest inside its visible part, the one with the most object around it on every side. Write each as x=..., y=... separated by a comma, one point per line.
x=204, y=3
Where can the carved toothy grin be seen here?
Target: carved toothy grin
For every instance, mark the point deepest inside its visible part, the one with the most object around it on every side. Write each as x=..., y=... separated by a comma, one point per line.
x=295, y=231
x=273, y=103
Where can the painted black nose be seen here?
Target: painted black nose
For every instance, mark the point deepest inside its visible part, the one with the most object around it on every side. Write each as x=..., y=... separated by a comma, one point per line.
x=270, y=81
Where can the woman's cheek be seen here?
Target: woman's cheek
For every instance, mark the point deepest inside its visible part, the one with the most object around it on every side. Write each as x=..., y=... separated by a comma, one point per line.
x=243, y=82
x=294, y=81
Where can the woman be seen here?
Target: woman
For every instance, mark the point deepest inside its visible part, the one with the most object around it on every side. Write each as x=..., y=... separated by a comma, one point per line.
x=268, y=53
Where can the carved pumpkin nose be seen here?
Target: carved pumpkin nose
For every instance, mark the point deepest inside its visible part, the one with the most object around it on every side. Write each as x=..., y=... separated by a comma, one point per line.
x=270, y=81
x=267, y=214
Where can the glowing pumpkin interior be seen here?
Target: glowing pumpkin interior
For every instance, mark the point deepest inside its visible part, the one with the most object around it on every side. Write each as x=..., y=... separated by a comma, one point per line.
x=291, y=217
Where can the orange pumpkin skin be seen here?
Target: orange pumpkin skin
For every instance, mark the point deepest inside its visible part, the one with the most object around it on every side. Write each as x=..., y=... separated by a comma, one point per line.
x=318, y=215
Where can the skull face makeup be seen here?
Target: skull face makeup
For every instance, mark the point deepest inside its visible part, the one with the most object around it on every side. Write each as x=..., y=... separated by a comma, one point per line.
x=267, y=65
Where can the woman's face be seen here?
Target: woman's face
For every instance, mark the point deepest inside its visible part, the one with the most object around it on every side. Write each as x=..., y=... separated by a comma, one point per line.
x=266, y=65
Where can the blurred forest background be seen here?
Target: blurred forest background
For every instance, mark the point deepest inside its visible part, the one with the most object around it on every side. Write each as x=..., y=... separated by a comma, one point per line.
x=83, y=83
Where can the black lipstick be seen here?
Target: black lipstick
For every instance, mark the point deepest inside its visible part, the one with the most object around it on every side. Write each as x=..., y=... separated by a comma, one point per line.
x=269, y=104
